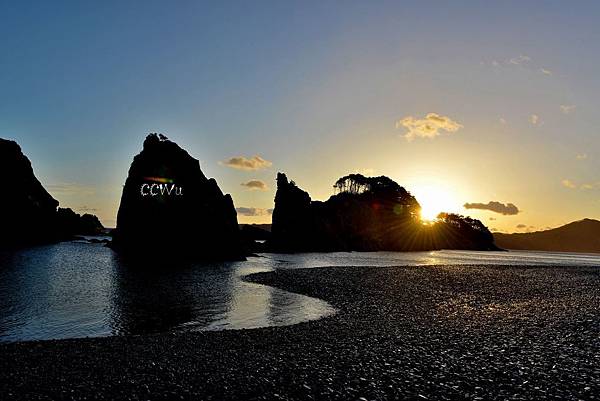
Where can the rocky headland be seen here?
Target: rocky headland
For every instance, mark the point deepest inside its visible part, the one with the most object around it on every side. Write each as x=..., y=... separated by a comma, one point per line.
x=29, y=213
x=366, y=214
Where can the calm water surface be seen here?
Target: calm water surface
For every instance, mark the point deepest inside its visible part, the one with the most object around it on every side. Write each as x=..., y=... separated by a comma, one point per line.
x=75, y=289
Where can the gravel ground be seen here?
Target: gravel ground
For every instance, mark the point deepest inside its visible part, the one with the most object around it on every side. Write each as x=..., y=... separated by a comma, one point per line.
x=446, y=332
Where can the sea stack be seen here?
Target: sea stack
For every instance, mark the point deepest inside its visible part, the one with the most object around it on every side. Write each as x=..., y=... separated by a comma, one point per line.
x=366, y=214
x=27, y=210
x=169, y=209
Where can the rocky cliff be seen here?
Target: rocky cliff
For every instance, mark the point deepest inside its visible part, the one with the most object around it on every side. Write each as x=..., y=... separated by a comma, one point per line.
x=366, y=214
x=170, y=209
x=28, y=212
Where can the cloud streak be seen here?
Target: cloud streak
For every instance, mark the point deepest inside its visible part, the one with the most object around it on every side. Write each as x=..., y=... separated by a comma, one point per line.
x=522, y=61
x=586, y=186
x=70, y=188
x=243, y=163
x=255, y=185
x=567, y=108
x=508, y=209
x=428, y=127
x=253, y=211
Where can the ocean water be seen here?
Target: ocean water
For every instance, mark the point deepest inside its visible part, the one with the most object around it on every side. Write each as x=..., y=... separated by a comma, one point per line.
x=76, y=289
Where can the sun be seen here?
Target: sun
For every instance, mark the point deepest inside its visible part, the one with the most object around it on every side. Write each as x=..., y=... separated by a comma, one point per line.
x=433, y=201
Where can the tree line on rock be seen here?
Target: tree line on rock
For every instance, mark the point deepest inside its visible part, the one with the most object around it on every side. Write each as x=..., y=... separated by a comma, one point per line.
x=366, y=214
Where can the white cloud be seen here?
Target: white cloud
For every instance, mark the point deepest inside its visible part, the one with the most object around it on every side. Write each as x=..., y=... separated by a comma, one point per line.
x=427, y=127
x=567, y=108
x=586, y=186
x=581, y=156
x=534, y=119
x=243, y=163
x=545, y=71
x=522, y=59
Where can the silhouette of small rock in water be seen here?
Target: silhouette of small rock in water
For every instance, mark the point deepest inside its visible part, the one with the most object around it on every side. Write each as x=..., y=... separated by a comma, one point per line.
x=170, y=209
x=27, y=211
x=366, y=214
x=71, y=223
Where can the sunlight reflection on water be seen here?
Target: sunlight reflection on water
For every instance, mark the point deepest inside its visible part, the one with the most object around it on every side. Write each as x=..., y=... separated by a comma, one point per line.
x=74, y=289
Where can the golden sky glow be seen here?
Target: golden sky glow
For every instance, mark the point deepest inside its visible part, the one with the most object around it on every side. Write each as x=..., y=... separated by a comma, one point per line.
x=460, y=103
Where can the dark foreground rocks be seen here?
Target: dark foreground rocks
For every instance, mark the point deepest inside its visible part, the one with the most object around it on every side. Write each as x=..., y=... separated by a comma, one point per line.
x=400, y=333
x=170, y=208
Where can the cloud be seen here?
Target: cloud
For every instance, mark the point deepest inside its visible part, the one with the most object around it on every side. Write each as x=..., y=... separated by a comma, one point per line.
x=534, y=119
x=427, y=127
x=253, y=211
x=508, y=209
x=567, y=108
x=522, y=59
x=70, y=188
x=255, y=185
x=585, y=186
x=243, y=163
x=86, y=209
x=581, y=156
x=521, y=226
x=502, y=121
x=493, y=218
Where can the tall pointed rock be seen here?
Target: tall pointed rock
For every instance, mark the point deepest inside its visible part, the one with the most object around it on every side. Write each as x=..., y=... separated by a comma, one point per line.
x=170, y=209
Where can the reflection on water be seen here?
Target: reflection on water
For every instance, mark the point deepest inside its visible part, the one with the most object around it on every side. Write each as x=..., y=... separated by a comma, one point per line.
x=382, y=259
x=76, y=289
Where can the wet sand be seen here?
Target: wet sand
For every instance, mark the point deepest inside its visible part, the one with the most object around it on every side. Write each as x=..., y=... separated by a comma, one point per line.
x=417, y=333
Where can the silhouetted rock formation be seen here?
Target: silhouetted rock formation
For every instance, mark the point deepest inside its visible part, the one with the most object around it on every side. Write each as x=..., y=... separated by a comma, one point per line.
x=255, y=236
x=579, y=236
x=70, y=223
x=27, y=211
x=169, y=208
x=366, y=214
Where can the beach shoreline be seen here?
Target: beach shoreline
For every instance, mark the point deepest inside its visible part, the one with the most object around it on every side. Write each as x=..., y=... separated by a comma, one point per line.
x=435, y=332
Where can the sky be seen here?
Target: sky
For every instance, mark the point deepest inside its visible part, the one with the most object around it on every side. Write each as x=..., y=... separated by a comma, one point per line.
x=492, y=105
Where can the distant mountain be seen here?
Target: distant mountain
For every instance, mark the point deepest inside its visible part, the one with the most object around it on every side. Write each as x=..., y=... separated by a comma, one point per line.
x=579, y=236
